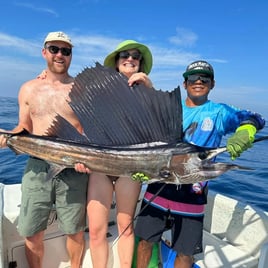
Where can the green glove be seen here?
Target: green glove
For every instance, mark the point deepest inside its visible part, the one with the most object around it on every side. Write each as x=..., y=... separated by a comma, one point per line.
x=241, y=140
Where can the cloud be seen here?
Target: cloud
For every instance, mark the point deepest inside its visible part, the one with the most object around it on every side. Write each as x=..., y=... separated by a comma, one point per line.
x=244, y=97
x=14, y=72
x=37, y=9
x=184, y=37
x=23, y=60
x=19, y=45
x=169, y=63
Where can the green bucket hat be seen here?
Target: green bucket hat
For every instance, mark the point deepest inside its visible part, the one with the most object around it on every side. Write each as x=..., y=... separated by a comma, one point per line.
x=131, y=44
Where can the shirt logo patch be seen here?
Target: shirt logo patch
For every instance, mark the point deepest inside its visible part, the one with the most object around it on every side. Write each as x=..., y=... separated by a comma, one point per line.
x=207, y=124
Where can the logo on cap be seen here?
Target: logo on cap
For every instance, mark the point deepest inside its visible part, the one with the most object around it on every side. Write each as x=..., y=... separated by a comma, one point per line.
x=199, y=67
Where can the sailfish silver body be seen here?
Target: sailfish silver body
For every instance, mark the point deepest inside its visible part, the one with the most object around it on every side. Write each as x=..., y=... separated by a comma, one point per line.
x=180, y=164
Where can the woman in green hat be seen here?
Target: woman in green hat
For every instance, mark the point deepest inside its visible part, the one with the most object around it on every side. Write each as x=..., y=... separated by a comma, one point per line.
x=134, y=60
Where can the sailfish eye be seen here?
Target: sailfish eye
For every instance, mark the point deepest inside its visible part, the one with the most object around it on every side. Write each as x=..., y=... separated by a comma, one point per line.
x=202, y=155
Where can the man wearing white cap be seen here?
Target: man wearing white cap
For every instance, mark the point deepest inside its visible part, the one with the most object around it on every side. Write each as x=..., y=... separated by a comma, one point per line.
x=40, y=100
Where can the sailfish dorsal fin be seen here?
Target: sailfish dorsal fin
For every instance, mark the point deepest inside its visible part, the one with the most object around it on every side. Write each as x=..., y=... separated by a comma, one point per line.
x=112, y=113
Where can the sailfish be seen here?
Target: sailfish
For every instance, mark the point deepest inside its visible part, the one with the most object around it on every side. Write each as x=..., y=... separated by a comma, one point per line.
x=127, y=131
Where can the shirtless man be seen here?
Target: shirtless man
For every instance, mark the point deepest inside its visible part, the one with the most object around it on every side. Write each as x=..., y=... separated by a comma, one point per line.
x=39, y=102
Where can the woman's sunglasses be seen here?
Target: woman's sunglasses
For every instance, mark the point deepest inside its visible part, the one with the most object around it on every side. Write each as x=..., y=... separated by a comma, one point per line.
x=191, y=79
x=65, y=51
x=126, y=55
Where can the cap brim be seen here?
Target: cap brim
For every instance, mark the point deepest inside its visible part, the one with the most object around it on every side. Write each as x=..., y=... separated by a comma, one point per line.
x=197, y=72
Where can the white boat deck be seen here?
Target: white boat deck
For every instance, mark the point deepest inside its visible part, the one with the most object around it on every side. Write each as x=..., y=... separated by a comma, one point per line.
x=235, y=235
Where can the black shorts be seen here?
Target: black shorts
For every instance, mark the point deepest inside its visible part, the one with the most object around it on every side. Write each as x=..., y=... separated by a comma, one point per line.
x=187, y=232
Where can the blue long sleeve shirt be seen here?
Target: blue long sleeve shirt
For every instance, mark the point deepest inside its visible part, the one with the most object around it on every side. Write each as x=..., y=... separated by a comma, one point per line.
x=203, y=125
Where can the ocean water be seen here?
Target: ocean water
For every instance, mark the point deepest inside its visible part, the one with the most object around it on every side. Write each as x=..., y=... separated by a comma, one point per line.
x=250, y=187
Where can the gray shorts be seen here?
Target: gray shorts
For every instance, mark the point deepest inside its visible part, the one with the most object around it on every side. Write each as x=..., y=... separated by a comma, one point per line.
x=66, y=192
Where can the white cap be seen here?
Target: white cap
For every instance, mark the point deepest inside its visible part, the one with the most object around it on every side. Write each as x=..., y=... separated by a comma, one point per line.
x=58, y=36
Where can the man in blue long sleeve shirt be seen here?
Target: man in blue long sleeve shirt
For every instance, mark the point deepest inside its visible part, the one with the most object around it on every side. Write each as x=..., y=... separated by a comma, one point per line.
x=204, y=124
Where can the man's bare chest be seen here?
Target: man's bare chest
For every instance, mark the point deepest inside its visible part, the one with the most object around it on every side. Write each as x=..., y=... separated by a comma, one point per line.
x=46, y=103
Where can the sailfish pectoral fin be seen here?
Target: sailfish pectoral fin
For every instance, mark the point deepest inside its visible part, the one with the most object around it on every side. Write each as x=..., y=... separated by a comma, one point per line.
x=54, y=170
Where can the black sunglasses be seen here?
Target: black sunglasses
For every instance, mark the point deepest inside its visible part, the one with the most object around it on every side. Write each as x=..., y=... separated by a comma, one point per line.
x=126, y=55
x=193, y=78
x=65, y=51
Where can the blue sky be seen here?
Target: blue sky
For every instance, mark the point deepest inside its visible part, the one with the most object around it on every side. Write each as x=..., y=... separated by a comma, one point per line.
x=232, y=35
